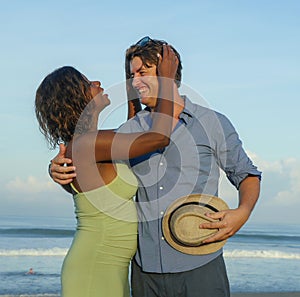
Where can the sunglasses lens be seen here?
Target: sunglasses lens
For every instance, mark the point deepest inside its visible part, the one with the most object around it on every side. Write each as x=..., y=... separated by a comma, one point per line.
x=143, y=41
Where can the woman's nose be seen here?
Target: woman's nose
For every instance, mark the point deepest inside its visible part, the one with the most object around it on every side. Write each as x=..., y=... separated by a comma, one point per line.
x=96, y=83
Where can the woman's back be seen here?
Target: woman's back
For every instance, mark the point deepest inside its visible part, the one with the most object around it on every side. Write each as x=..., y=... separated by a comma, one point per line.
x=105, y=240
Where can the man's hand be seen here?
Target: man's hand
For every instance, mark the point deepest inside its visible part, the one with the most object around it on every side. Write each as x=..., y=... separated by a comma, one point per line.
x=230, y=221
x=60, y=173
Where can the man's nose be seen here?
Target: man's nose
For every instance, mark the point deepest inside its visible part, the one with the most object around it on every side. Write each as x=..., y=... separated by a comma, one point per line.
x=136, y=81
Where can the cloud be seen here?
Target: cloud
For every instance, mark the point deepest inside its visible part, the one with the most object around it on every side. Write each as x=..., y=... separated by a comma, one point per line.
x=279, y=197
x=283, y=175
x=266, y=166
x=31, y=185
x=280, y=190
x=32, y=195
x=291, y=194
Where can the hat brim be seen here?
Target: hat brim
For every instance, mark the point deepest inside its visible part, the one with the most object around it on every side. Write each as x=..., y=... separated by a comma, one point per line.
x=181, y=222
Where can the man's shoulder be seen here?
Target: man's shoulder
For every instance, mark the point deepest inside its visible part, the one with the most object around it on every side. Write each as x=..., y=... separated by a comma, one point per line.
x=207, y=116
x=199, y=110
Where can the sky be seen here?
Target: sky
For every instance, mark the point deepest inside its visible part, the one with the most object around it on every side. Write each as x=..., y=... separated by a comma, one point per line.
x=241, y=58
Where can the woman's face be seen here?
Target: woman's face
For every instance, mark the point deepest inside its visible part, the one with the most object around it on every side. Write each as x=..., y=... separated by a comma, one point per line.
x=97, y=93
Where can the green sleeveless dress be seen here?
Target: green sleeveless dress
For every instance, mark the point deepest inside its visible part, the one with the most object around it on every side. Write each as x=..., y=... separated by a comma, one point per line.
x=105, y=240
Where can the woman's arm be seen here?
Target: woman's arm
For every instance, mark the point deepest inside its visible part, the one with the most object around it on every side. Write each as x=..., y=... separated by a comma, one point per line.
x=64, y=174
x=108, y=145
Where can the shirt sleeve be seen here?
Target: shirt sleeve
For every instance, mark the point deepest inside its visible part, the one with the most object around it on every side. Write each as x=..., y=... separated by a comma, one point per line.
x=231, y=156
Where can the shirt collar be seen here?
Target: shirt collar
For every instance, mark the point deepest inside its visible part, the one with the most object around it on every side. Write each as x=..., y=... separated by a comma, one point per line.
x=187, y=113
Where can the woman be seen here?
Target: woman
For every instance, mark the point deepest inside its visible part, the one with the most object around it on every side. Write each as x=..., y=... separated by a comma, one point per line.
x=67, y=107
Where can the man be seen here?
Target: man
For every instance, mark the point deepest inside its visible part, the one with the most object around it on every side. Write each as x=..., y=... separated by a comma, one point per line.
x=202, y=142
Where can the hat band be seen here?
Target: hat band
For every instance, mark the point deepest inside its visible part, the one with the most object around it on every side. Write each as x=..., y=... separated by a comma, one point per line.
x=197, y=203
x=174, y=235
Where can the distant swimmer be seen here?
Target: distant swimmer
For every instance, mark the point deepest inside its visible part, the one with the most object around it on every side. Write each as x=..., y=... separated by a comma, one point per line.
x=30, y=271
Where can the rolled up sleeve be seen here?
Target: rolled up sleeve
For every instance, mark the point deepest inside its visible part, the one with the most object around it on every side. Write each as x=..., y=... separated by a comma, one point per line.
x=231, y=155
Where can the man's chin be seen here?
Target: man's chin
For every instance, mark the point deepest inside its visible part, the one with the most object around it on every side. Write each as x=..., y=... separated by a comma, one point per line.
x=148, y=101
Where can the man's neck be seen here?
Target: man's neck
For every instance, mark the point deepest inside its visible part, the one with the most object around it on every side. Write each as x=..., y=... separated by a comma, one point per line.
x=179, y=104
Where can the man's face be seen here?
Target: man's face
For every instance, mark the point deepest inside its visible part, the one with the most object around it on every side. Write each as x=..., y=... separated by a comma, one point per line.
x=144, y=81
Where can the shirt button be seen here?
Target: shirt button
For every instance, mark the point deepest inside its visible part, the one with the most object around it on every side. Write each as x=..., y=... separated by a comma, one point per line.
x=161, y=212
x=161, y=163
x=162, y=238
x=161, y=187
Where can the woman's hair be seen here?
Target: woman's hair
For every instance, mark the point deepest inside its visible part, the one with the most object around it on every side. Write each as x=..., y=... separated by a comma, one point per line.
x=148, y=54
x=60, y=100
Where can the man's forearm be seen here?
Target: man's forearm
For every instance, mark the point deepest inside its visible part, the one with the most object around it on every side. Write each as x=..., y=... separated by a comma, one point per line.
x=249, y=192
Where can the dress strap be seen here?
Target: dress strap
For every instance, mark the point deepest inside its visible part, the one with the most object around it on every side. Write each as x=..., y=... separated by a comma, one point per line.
x=74, y=189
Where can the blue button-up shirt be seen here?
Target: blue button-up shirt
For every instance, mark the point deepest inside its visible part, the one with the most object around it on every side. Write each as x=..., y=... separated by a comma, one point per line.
x=203, y=142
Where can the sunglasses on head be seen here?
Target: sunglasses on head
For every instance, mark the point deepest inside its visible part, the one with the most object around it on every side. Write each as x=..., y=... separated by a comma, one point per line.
x=145, y=40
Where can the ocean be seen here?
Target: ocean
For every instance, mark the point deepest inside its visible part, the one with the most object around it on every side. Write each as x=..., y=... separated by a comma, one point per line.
x=259, y=258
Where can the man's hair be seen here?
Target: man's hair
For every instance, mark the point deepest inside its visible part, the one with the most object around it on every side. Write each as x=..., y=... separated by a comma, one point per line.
x=148, y=54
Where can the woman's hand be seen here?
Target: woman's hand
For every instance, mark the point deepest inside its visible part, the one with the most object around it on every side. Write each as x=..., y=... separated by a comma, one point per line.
x=168, y=63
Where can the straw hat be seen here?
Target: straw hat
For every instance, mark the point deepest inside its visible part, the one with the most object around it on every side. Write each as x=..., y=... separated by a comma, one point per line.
x=181, y=222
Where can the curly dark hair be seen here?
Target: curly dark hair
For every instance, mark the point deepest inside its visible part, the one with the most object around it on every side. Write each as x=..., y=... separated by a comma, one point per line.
x=148, y=54
x=60, y=101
